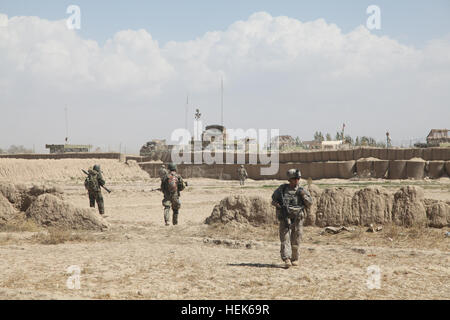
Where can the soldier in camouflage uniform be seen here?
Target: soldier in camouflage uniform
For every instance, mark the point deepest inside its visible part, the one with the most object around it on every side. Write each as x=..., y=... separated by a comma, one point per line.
x=162, y=172
x=242, y=173
x=171, y=185
x=296, y=199
x=93, y=184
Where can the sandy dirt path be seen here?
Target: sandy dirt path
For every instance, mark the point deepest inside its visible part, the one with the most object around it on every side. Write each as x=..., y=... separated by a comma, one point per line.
x=140, y=258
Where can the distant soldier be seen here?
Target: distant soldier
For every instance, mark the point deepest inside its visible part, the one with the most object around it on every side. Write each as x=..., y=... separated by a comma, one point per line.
x=93, y=183
x=290, y=201
x=171, y=185
x=162, y=172
x=242, y=173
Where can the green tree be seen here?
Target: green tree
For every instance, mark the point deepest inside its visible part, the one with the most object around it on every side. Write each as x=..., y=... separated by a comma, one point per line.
x=348, y=140
x=18, y=149
x=328, y=137
x=318, y=136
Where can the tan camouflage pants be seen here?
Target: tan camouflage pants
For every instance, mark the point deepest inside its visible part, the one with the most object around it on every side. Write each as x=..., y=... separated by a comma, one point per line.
x=290, y=238
x=96, y=196
x=171, y=201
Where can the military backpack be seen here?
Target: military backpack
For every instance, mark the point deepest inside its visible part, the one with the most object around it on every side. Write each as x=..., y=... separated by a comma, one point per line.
x=172, y=183
x=91, y=181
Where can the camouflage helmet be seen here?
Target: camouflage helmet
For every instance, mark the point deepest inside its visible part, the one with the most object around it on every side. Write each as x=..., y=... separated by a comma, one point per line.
x=96, y=167
x=172, y=167
x=242, y=165
x=163, y=166
x=293, y=174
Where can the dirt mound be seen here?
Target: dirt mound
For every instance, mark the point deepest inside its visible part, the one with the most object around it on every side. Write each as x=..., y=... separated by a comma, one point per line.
x=373, y=204
x=51, y=170
x=343, y=207
x=37, y=190
x=438, y=213
x=11, y=192
x=315, y=193
x=7, y=211
x=253, y=210
x=21, y=197
x=50, y=211
x=45, y=205
x=334, y=207
x=408, y=208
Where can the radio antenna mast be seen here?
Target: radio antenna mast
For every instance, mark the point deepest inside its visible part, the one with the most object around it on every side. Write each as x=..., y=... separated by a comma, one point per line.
x=221, y=102
x=67, y=125
x=187, y=111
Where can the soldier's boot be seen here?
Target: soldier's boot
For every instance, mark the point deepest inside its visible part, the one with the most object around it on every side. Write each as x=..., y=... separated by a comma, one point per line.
x=166, y=215
x=91, y=201
x=101, y=207
x=287, y=263
x=175, y=217
x=294, y=259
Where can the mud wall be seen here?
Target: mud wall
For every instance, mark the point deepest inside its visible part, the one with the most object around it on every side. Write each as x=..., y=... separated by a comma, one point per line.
x=413, y=163
x=428, y=154
x=74, y=155
x=379, y=169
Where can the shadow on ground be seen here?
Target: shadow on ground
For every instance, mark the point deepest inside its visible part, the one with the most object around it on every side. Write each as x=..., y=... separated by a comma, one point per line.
x=256, y=265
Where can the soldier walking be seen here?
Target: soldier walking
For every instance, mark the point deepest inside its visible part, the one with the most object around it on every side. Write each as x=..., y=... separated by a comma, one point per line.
x=171, y=186
x=93, y=183
x=242, y=173
x=290, y=201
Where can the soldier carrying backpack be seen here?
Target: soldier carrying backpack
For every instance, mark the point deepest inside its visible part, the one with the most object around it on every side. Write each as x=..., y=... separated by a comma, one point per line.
x=93, y=183
x=171, y=186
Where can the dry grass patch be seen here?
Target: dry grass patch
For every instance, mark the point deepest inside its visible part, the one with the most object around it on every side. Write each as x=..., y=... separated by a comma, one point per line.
x=15, y=280
x=417, y=236
x=19, y=224
x=57, y=236
x=103, y=296
x=238, y=231
x=6, y=239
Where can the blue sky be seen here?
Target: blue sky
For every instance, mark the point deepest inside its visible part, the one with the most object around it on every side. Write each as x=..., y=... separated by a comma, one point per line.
x=410, y=22
x=282, y=68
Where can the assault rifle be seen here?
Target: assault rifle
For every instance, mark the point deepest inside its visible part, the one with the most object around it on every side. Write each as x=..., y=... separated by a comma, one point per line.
x=109, y=191
x=285, y=211
x=159, y=189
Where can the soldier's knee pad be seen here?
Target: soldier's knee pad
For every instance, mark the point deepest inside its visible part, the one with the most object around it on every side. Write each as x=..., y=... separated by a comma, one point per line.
x=176, y=204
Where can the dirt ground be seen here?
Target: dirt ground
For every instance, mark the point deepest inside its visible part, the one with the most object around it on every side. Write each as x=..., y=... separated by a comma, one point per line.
x=140, y=258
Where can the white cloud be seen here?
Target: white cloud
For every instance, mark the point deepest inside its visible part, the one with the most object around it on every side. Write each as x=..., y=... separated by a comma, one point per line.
x=297, y=76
